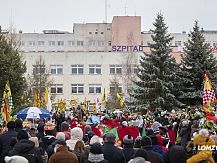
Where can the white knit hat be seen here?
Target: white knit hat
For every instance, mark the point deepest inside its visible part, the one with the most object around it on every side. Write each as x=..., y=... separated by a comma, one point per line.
x=16, y=159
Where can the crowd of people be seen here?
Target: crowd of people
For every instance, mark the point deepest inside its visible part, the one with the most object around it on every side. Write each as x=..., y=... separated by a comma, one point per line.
x=158, y=137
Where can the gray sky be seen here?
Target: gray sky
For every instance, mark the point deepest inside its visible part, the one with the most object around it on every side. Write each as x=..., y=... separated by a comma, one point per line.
x=37, y=15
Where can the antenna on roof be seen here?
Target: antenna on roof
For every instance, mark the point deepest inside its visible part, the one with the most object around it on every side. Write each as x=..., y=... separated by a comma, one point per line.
x=106, y=8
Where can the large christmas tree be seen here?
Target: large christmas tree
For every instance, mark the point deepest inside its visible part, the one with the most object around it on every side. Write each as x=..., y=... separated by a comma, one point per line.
x=196, y=60
x=157, y=78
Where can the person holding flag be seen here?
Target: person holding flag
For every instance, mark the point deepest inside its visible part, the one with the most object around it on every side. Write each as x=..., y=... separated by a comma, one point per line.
x=94, y=107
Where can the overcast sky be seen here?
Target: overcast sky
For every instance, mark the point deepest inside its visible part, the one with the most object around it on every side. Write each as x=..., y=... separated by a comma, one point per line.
x=37, y=15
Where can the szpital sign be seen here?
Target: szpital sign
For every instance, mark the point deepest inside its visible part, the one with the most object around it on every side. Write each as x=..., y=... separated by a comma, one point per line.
x=124, y=48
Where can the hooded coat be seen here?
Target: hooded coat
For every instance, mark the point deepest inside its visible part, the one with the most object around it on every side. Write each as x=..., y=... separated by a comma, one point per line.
x=76, y=134
x=26, y=148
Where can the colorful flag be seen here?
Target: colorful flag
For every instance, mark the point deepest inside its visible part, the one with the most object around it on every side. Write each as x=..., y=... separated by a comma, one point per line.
x=97, y=105
x=7, y=102
x=120, y=100
x=35, y=97
x=208, y=94
x=61, y=106
x=48, y=100
x=94, y=107
x=104, y=98
x=85, y=106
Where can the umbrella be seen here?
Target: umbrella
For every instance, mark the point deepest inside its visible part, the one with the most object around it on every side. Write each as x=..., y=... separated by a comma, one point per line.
x=33, y=112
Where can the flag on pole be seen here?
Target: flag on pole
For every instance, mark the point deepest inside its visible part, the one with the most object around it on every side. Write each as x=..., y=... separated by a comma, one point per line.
x=208, y=94
x=85, y=106
x=104, y=98
x=94, y=107
x=97, y=105
x=120, y=100
x=48, y=100
x=7, y=102
x=35, y=97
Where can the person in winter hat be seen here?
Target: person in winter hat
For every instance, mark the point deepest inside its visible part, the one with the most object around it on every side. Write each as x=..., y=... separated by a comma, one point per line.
x=96, y=154
x=128, y=147
x=109, y=149
x=26, y=148
x=62, y=154
x=177, y=154
x=16, y=159
x=5, y=139
x=76, y=134
x=60, y=135
x=94, y=139
x=65, y=129
x=146, y=143
x=87, y=128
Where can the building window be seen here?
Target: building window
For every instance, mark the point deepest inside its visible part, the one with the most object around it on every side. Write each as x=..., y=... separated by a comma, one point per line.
x=77, y=88
x=31, y=43
x=108, y=29
x=115, y=69
x=90, y=33
x=40, y=43
x=214, y=43
x=71, y=43
x=56, y=69
x=178, y=43
x=101, y=43
x=109, y=43
x=91, y=42
x=60, y=43
x=135, y=69
x=208, y=43
x=80, y=43
x=94, y=69
x=77, y=69
x=38, y=69
x=96, y=33
x=102, y=33
x=56, y=88
x=114, y=89
x=94, y=88
x=51, y=43
x=22, y=43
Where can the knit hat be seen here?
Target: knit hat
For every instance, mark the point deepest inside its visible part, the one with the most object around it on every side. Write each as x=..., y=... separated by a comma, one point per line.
x=16, y=159
x=77, y=133
x=137, y=160
x=109, y=138
x=64, y=126
x=87, y=128
x=145, y=141
x=22, y=134
x=124, y=123
x=94, y=139
x=128, y=139
x=96, y=148
x=60, y=135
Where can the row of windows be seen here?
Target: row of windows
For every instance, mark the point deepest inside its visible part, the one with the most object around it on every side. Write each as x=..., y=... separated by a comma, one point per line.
x=69, y=43
x=79, y=69
x=79, y=88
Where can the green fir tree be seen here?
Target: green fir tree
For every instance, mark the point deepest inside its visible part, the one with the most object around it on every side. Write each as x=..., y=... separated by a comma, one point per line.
x=157, y=77
x=12, y=69
x=197, y=59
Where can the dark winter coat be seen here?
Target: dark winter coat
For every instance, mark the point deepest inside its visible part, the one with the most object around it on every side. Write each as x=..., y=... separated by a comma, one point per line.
x=177, y=154
x=4, y=142
x=26, y=148
x=63, y=156
x=158, y=149
x=128, y=153
x=153, y=156
x=113, y=154
x=184, y=134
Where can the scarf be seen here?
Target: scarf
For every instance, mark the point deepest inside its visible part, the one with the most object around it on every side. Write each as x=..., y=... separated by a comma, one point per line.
x=95, y=157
